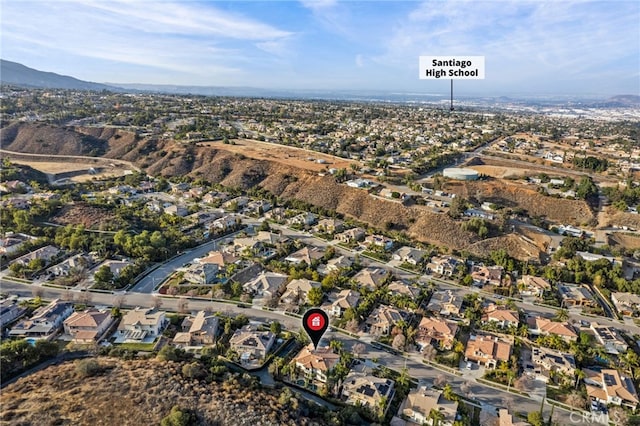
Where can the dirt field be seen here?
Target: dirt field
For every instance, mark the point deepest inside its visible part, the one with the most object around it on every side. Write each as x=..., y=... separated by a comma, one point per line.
x=291, y=156
x=79, y=171
x=501, y=172
x=628, y=241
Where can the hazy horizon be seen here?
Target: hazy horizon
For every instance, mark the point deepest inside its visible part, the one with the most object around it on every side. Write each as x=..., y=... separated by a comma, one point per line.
x=547, y=48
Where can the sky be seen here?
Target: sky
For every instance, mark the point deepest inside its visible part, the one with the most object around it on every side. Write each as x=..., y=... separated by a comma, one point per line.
x=545, y=47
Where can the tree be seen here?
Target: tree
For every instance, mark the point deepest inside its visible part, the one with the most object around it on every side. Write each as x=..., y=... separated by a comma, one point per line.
x=535, y=418
x=447, y=393
x=179, y=417
x=562, y=315
x=315, y=296
x=275, y=327
x=576, y=400
x=103, y=275
x=436, y=415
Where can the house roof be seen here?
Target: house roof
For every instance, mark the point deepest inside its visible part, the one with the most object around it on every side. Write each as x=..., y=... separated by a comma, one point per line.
x=371, y=277
x=424, y=400
x=438, y=325
x=142, y=316
x=546, y=326
x=347, y=299
x=322, y=359
x=248, y=337
x=613, y=385
x=488, y=347
x=88, y=318
x=499, y=313
x=266, y=282
x=384, y=316
x=533, y=281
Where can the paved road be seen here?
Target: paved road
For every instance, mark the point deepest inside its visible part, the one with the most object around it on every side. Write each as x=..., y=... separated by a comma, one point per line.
x=417, y=369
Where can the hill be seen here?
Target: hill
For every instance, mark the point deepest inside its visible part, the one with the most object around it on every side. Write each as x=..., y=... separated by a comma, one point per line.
x=21, y=75
x=142, y=392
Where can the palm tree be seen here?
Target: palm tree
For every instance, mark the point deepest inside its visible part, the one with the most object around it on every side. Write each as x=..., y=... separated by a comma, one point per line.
x=436, y=416
x=447, y=392
x=562, y=315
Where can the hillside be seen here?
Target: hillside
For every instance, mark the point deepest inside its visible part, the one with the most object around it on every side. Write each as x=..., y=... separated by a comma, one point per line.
x=575, y=212
x=140, y=392
x=20, y=75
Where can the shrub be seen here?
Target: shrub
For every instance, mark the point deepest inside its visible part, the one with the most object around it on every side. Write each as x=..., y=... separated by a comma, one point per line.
x=88, y=367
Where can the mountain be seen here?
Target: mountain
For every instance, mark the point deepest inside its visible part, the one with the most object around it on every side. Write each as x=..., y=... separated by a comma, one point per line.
x=20, y=75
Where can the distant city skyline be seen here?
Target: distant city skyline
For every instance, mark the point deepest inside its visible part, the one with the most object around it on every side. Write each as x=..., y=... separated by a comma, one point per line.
x=537, y=48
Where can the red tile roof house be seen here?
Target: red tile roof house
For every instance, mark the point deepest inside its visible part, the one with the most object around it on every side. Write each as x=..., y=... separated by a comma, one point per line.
x=88, y=326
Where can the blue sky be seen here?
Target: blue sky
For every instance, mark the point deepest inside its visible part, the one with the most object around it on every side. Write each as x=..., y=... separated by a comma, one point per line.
x=540, y=47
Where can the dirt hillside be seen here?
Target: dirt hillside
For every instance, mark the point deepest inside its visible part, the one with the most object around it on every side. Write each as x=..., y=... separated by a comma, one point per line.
x=137, y=393
x=575, y=212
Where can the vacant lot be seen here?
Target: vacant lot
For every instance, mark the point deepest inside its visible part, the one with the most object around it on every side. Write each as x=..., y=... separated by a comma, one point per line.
x=76, y=172
x=291, y=156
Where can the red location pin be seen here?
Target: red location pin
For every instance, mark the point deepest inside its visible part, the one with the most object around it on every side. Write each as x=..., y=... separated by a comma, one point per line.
x=315, y=322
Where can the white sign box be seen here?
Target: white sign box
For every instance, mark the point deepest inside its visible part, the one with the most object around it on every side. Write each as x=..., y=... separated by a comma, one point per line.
x=452, y=67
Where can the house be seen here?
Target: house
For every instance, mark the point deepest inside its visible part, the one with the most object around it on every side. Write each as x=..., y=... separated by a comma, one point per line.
x=330, y=225
x=116, y=266
x=399, y=288
x=219, y=258
x=46, y=254
x=351, y=235
x=539, y=326
x=500, y=315
x=443, y=265
x=367, y=390
x=316, y=364
x=45, y=322
x=486, y=275
x=304, y=219
x=346, y=299
x=141, y=325
x=383, y=319
x=409, y=255
x=13, y=243
x=371, y=277
x=445, y=302
x=306, y=254
x=78, y=263
x=88, y=326
x=197, y=331
x=549, y=360
x=222, y=224
x=506, y=419
x=277, y=214
x=576, y=295
x=251, y=345
x=176, y=210
x=10, y=310
x=608, y=386
x=298, y=290
x=437, y=332
x=338, y=263
x=237, y=203
x=419, y=402
x=610, y=338
x=479, y=214
x=487, y=350
x=378, y=241
x=214, y=197
x=531, y=285
x=266, y=284
x=257, y=207
x=201, y=273
x=627, y=304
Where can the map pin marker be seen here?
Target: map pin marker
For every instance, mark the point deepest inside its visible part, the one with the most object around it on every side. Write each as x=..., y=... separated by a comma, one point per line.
x=315, y=322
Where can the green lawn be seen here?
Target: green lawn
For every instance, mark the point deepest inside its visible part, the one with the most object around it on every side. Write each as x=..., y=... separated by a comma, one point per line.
x=143, y=347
